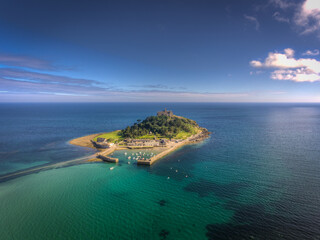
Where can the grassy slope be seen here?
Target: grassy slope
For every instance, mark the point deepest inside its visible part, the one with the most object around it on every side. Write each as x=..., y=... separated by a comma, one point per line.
x=113, y=135
x=116, y=137
x=185, y=135
x=180, y=135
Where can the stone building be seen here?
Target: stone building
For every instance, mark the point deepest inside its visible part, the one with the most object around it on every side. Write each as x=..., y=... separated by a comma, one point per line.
x=102, y=143
x=165, y=112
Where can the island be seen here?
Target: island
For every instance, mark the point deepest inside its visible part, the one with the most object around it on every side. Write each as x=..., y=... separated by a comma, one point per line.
x=165, y=131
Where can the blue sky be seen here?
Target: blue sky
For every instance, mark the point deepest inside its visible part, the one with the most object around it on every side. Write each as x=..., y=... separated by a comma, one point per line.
x=158, y=51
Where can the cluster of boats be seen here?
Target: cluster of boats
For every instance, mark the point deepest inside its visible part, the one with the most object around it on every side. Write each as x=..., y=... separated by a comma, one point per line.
x=139, y=156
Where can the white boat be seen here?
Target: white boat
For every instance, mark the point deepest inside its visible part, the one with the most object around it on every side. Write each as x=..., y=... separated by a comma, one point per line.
x=129, y=162
x=111, y=168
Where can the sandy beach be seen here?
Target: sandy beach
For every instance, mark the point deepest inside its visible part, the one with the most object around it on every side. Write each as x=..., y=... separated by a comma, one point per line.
x=84, y=141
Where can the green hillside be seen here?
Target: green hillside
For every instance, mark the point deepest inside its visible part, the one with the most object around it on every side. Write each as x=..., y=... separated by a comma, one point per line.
x=162, y=127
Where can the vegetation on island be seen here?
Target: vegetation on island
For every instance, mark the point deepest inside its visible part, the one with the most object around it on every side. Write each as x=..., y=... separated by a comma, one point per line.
x=161, y=127
x=110, y=136
x=154, y=126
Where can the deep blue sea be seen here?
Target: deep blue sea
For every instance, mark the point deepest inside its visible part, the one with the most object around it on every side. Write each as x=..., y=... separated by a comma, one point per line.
x=256, y=177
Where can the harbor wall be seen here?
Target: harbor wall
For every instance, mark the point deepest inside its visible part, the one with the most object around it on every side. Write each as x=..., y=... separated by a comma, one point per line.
x=108, y=159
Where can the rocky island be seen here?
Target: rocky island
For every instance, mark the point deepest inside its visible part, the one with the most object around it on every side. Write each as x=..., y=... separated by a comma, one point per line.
x=165, y=131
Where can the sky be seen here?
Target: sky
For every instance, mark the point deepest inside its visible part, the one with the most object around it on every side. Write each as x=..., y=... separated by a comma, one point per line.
x=160, y=51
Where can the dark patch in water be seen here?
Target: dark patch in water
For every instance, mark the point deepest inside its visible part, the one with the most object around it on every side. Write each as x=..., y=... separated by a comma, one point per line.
x=162, y=202
x=204, y=188
x=253, y=222
x=163, y=234
x=230, y=231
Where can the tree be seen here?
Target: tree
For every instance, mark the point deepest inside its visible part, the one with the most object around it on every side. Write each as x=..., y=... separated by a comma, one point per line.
x=167, y=127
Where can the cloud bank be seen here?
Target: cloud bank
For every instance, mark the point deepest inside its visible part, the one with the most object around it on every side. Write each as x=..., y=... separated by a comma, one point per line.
x=26, y=62
x=286, y=67
x=11, y=73
x=22, y=79
x=305, y=15
x=308, y=16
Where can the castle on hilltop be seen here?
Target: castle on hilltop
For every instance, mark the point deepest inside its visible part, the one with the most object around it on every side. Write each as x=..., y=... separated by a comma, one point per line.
x=165, y=112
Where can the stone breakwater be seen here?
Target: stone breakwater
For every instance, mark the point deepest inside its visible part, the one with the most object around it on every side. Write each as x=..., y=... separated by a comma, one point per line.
x=103, y=155
x=108, y=159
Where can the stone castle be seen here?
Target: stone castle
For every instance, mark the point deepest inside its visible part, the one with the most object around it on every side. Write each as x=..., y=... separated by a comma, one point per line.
x=165, y=112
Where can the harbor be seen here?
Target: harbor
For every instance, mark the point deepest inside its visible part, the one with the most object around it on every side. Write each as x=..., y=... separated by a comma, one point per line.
x=147, y=155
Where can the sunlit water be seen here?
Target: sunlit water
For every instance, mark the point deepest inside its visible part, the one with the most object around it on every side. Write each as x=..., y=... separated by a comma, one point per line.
x=256, y=177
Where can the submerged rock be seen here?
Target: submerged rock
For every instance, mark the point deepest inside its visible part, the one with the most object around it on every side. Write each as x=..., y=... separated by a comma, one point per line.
x=164, y=233
x=162, y=202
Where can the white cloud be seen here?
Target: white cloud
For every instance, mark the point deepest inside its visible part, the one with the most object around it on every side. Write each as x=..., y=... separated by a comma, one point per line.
x=277, y=16
x=311, y=53
x=283, y=4
x=298, y=75
x=289, y=52
x=256, y=64
x=289, y=68
x=305, y=14
x=253, y=20
x=308, y=16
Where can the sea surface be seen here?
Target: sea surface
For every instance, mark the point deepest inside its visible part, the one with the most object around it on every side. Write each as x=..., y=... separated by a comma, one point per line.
x=256, y=177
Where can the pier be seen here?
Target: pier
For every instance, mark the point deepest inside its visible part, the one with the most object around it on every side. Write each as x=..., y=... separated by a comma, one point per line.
x=108, y=159
x=103, y=155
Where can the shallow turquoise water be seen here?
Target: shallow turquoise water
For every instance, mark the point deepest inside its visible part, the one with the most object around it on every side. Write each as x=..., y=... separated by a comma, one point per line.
x=256, y=177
